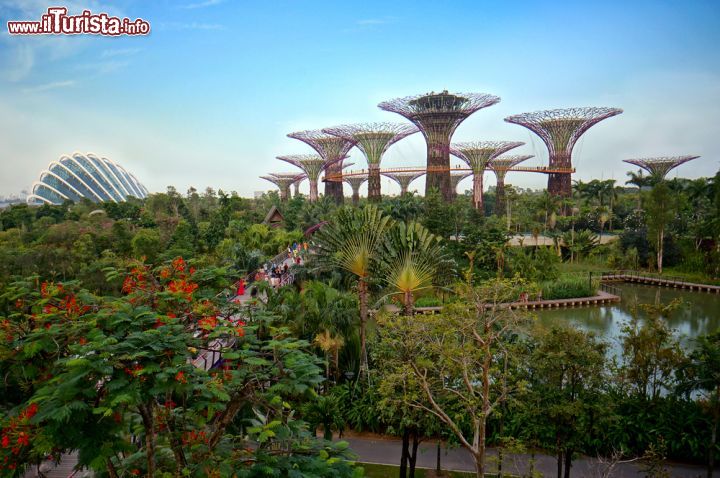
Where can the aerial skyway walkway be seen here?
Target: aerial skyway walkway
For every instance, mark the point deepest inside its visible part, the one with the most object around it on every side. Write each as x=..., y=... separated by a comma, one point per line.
x=423, y=169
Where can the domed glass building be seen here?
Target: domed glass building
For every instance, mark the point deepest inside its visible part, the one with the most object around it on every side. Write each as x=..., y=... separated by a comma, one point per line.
x=84, y=176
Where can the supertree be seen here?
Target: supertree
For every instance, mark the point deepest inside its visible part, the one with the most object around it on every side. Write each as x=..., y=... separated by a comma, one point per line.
x=355, y=182
x=296, y=184
x=283, y=181
x=403, y=178
x=500, y=166
x=437, y=115
x=660, y=166
x=332, y=149
x=477, y=155
x=560, y=129
x=373, y=139
x=312, y=165
x=456, y=177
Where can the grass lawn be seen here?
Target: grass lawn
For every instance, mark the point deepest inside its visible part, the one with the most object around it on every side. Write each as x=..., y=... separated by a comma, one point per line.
x=389, y=471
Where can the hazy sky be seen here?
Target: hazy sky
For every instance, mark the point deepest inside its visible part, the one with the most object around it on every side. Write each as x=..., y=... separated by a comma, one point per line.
x=207, y=98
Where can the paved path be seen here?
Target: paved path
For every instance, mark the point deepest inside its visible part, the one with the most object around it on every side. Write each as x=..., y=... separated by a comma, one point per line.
x=386, y=451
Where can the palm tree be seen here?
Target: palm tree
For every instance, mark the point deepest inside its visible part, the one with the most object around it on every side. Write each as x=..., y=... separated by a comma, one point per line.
x=330, y=345
x=411, y=261
x=352, y=242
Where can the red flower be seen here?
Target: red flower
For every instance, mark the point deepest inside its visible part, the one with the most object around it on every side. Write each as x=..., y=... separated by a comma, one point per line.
x=23, y=439
x=5, y=441
x=178, y=264
x=180, y=377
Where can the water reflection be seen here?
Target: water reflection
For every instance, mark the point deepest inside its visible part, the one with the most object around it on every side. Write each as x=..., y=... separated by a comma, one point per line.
x=698, y=314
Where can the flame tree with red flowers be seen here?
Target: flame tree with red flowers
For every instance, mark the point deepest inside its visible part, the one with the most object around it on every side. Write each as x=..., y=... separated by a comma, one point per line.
x=152, y=383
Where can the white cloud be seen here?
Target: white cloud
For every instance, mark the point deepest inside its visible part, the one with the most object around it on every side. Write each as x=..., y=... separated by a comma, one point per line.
x=119, y=52
x=49, y=86
x=204, y=4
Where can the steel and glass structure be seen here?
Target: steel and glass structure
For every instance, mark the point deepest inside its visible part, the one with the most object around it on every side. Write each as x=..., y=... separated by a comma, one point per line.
x=312, y=165
x=283, y=181
x=84, y=176
x=560, y=129
x=456, y=177
x=373, y=139
x=333, y=150
x=355, y=182
x=438, y=115
x=477, y=155
x=500, y=166
x=660, y=166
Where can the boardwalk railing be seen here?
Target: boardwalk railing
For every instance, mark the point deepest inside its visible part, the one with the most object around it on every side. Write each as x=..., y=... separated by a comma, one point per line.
x=652, y=278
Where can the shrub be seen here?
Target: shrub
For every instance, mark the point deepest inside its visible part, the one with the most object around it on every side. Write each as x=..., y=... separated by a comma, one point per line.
x=568, y=288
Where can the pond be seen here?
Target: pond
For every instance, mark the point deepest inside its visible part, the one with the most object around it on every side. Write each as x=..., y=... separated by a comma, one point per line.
x=698, y=314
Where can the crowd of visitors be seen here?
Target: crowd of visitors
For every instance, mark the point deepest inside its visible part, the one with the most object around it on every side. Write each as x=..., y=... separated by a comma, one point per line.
x=278, y=271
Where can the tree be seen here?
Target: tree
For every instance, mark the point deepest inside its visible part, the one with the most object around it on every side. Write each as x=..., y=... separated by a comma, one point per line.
x=410, y=261
x=661, y=207
x=352, y=241
x=650, y=352
x=565, y=373
x=453, y=365
x=701, y=374
x=118, y=368
x=147, y=244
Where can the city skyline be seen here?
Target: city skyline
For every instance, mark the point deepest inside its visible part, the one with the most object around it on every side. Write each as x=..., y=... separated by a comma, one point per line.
x=208, y=97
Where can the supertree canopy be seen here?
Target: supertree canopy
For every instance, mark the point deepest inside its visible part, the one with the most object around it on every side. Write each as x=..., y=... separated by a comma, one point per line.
x=373, y=139
x=437, y=115
x=560, y=129
x=660, y=166
x=403, y=178
x=456, y=177
x=283, y=181
x=332, y=149
x=500, y=166
x=477, y=155
x=312, y=165
x=355, y=182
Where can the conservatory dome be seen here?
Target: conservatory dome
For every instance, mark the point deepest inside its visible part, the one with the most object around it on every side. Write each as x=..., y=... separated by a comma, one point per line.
x=88, y=176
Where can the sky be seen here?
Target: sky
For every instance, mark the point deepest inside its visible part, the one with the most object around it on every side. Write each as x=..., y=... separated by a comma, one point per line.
x=208, y=97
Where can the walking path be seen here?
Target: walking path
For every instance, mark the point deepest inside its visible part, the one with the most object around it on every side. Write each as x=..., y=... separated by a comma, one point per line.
x=386, y=451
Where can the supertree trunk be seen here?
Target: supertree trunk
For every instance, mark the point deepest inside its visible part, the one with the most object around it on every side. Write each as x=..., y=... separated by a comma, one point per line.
x=356, y=197
x=334, y=189
x=438, y=175
x=560, y=184
x=374, y=193
x=284, y=193
x=500, y=196
x=313, y=190
x=296, y=189
x=478, y=191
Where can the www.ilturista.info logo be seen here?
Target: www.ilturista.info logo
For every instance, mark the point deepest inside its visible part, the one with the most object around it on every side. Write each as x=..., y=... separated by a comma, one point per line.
x=57, y=22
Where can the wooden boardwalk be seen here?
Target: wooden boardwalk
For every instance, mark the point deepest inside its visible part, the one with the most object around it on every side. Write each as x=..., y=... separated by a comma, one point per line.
x=600, y=299
x=675, y=283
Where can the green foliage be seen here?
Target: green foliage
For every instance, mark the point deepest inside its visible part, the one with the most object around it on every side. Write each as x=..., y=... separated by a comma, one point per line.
x=569, y=287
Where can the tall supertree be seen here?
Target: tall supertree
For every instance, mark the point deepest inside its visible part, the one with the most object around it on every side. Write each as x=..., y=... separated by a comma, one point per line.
x=456, y=177
x=477, y=155
x=659, y=167
x=560, y=129
x=332, y=149
x=355, y=182
x=312, y=165
x=438, y=115
x=373, y=139
x=283, y=181
x=403, y=178
x=500, y=166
